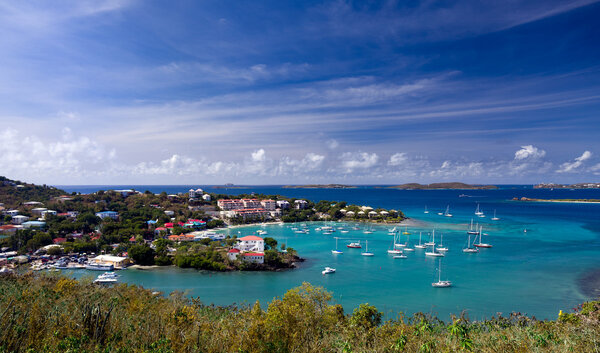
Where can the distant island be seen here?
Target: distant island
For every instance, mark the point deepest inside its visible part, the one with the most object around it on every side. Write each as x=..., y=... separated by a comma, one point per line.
x=438, y=186
x=320, y=186
x=567, y=186
x=527, y=199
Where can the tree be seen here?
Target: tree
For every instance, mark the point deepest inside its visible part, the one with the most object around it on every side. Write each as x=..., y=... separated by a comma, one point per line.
x=270, y=243
x=142, y=254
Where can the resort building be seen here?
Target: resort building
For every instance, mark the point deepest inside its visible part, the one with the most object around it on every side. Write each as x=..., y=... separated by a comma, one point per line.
x=258, y=258
x=233, y=254
x=227, y=205
x=269, y=205
x=300, y=204
x=251, y=243
x=350, y=214
x=283, y=204
x=194, y=194
x=373, y=214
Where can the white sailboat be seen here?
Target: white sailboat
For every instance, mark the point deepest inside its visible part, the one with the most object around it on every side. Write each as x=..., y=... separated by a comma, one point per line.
x=431, y=242
x=401, y=256
x=495, y=218
x=471, y=230
x=426, y=211
x=420, y=246
x=447, y=213
x=480, y=244
x=440, y=283
x=406, y=247
x=394, y=250
x=367, y=253
x=441, y=248
x=336, y=251
x=478, y=211
x=469, y=248
x=433, y=252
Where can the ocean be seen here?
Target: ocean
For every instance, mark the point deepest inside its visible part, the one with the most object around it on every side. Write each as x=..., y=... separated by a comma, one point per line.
x=552, y=266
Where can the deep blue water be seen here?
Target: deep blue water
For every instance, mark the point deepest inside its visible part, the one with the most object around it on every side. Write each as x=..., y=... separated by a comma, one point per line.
x=538, y=272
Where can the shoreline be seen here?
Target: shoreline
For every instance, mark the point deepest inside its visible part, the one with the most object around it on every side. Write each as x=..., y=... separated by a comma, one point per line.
x=406, y=222
x=556, y=201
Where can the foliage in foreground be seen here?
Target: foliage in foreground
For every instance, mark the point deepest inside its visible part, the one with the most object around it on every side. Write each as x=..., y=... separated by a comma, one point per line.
x=44, y=313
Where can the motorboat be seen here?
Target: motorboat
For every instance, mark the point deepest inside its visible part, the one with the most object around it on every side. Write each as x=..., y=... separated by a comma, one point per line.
x=328, y=270
x=354, y=245
x=401, y=256
x=94, y=266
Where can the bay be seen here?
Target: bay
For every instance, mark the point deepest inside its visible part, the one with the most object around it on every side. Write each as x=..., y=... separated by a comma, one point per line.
x=537, y=272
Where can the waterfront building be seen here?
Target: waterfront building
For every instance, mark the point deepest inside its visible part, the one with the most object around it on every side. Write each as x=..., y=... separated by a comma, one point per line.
x=232, y=254
x=269, y=205
x=108, y=214
x=251, y=243
x=254, y=257
x=283, y=204
x=227, y=205
x=350, y=214
x=116, y=261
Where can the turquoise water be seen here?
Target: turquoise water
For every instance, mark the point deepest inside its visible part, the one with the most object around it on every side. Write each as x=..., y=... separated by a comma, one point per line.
x=537, y=272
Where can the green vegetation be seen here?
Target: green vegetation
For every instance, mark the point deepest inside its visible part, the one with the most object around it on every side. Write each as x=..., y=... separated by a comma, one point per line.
x=44, y=313
x=333, y=211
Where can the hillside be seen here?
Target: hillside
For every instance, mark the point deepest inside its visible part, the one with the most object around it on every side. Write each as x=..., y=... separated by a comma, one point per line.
x=14, y=193
x=438, y=186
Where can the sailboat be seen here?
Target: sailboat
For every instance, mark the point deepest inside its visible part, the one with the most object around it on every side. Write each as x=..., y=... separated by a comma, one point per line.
x=478, y=211
x=392, y=231
x=420, y=246
x=406, y=247
x=336, y=251
x=433, y=252
x=406, y=232
x=401, y=256
x=495, y=218
x=440, y=283
x=447, y=213
x=442, y=248
x=480, y=244
x=469, y=248
x=393, y=250
x=471, y=230
x=426, y=211
x=367, y=253
x=431, y=243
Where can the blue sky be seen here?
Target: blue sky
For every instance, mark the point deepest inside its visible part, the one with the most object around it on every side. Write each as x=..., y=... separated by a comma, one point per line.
x=275, y=92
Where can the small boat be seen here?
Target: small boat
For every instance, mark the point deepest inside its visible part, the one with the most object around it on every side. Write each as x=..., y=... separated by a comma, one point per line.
x=480, y=244
x=469, y=248
x=406, y=232
x=345, y=231
x=401, y=256
x=367, y=253
x=368, y=232
x=336, y=251
x=420, y=246
x=471, y=230
x=441, y=248
x=394, y=249
x=433, y=252
x=105, y=280
x=354, y=245
x=495, y=218
x=447, y=213
x=440, y=283
x=426, y=211
x=328, y=270
x=99, y=267
x=430, y=243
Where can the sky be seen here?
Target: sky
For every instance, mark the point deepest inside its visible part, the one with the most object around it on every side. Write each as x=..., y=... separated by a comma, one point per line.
x=294, y=92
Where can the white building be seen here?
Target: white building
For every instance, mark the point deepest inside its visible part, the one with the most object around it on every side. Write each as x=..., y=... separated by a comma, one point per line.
x=11, y=213
x=108, y=214
x=170, y=213
x=206, y=197
x=283, y=204
x=19, y=219
x=233, y=254
x=251, y=243
x=269, y=205
x=48, y=213
x=372, y=214
x=38, y=211
x=256, y=257
x=300, y=204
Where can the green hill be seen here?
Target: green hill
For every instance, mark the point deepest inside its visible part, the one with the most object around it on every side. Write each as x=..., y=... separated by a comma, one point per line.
x=14, y=193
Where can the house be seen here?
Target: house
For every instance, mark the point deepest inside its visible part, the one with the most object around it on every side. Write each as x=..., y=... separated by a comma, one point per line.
x=350, y=214
x=8, y=229
x=32, y=203
x=206, y=197
x=384, y=213
x=255, y=257
x=108, y=214
x=169, y=213
x=283, y=204
x=373, y=214
x=251, y=243
x=33, y=224
x=159, y=230
x=233, y=254
x=194, y=224
x=169, y=225
x=48, y=213
x=19, y=219
x=125, y=193
x=11, y=213
x=59, y=240
x=193, y=194
x=361, y=213
x=227, y=205
x=300, y=204
x=181, y=237
x=38, y=211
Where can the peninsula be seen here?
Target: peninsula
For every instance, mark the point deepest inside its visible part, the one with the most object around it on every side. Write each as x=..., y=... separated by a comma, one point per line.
x=320, y=186
x=567, y=186
x=527, y=199
x=440, y=186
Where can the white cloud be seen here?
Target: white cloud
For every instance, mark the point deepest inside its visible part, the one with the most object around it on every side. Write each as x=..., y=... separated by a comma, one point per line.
x=332, y=144
x=258, y=155
x=573, y=166
x=529, y=151
x=358, y=160
x=397, y=159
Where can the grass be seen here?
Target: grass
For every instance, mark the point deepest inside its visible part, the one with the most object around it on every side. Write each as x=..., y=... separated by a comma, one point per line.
x=46, y=313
